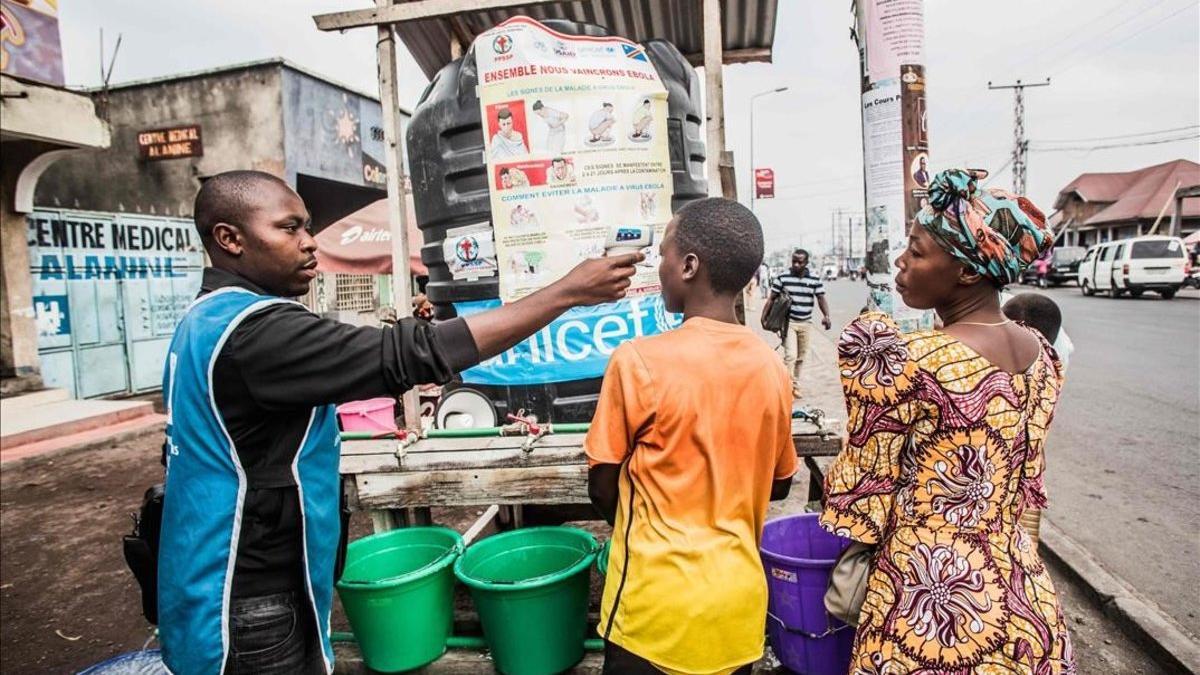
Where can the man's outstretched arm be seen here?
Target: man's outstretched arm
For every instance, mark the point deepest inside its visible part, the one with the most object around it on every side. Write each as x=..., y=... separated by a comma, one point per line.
x=287, y=358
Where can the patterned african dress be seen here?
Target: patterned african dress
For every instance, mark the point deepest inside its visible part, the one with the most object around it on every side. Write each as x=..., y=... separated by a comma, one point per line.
x=944, y=454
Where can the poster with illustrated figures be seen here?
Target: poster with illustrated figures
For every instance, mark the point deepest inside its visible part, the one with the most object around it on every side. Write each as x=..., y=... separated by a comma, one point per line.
x=576, y=145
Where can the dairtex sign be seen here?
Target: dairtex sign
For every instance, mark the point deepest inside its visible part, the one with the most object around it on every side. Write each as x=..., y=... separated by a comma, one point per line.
x=172, y=143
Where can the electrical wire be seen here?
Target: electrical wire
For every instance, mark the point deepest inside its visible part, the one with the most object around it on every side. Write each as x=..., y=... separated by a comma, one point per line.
x=1127, y=38
x=993, y=175
x=1098, y=38
x=1084, y=148
x=1076, y=33
x=1119, y=136
x=815, y=195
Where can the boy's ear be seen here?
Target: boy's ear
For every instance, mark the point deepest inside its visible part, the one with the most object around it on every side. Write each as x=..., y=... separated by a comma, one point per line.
x=691, y=266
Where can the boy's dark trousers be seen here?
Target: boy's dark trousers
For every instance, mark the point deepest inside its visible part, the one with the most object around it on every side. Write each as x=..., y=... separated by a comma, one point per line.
x=618, y=661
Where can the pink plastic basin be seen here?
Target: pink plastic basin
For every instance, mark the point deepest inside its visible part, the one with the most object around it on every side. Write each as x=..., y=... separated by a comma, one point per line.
x=373, y=414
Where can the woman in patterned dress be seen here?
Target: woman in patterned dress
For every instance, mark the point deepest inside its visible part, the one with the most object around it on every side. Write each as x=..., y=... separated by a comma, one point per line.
x=947, y=429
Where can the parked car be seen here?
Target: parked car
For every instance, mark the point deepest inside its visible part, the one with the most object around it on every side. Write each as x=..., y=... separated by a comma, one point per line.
x=1134, y=266
x=1064, y=266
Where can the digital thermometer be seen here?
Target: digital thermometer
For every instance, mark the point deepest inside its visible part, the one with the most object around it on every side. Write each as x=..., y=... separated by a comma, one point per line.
x=624, y=239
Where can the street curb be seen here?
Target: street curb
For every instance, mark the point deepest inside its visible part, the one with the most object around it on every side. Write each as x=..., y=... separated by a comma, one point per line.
x=1144, y=623
x=95, y=444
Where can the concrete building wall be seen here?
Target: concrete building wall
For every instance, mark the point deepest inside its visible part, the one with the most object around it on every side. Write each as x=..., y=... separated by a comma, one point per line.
x=39, y=124
x=241, y=120
x=18, y=330
x=331, y=133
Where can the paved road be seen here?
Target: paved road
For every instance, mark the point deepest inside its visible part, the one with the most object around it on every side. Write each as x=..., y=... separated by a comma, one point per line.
x=1122, y=454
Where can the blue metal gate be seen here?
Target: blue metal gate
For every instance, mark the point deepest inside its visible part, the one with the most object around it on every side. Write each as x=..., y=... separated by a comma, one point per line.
x=108, y=290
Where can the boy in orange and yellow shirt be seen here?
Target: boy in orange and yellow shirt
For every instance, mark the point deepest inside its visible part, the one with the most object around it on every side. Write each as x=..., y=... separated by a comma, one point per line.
x=691, y=439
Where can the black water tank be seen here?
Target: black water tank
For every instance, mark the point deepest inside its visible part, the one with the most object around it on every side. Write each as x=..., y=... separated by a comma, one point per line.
x=450, y=189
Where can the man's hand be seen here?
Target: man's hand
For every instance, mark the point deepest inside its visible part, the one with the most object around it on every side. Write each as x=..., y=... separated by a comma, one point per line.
x=599, y=280
x=824, y=311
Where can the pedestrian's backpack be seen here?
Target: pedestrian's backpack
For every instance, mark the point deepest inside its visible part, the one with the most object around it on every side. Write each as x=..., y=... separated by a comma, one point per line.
x=775, y=320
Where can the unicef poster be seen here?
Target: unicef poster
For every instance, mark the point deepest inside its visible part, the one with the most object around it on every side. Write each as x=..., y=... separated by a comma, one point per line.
x=575, y=135
x=575, y=130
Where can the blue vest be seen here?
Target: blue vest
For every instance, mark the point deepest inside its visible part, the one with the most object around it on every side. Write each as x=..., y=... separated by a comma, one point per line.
x=206, y=488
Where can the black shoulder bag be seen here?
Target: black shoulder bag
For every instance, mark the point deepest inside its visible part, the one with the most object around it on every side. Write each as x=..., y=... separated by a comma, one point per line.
x=775, y=320
x=141, y=549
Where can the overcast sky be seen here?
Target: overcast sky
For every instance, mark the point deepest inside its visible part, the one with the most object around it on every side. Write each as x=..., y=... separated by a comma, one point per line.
x=1119, y=68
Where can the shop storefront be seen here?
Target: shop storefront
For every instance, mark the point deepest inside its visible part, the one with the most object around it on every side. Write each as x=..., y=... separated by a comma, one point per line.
x=114, y=256
x=108, y=290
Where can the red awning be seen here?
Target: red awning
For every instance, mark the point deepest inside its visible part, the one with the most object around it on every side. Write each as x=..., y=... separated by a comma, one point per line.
x=361, y=243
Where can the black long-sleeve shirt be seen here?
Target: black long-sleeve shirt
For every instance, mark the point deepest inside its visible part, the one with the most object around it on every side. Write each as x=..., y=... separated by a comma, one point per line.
x=278, y=364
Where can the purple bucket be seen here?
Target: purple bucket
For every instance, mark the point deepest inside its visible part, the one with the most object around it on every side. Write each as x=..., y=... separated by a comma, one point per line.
x=798, y=556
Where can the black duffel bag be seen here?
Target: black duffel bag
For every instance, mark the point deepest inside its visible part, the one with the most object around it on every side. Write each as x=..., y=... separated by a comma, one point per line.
x=775, y=319
x=141, y=549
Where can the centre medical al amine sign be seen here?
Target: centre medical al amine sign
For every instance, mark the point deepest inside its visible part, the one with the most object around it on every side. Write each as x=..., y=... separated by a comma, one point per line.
x=69, y=249
x=108, y=290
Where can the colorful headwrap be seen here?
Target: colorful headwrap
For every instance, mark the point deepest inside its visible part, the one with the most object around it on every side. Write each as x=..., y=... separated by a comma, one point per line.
x=993, y=232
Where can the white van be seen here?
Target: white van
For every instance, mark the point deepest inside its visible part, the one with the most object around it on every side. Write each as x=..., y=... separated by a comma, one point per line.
x=1134, y=266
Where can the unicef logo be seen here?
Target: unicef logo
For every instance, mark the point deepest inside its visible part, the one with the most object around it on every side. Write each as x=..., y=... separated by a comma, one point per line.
x=502, y=44
x=575, y=346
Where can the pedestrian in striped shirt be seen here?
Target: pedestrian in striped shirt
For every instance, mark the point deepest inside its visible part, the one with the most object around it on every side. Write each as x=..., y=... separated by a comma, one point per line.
x=805, y=290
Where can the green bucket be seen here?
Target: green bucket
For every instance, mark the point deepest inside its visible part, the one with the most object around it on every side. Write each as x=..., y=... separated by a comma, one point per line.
x=398, y=593
x=531, y=588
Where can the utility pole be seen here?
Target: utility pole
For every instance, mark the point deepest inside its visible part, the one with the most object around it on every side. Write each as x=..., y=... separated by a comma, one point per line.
x=1020, y=145
x=834, y=217
x=850, y=245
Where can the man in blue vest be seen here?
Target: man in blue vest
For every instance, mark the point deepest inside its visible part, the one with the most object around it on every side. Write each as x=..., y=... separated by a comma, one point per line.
x=250, y=518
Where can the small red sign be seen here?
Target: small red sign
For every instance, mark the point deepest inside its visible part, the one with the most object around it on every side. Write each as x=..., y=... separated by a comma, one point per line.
x=764, y=183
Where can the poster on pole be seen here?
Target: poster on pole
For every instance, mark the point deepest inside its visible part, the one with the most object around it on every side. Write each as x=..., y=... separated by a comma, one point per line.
x=895, y=141
x=575, y=136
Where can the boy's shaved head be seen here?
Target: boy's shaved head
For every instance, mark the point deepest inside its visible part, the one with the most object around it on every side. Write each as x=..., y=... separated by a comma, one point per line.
x=725, y=236
x=228, y=198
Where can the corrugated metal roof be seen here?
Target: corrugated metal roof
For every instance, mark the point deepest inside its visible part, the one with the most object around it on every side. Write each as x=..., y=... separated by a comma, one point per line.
x=747, y=31
x=1096, y=187
x=1153, y=188
x=1135, y=195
